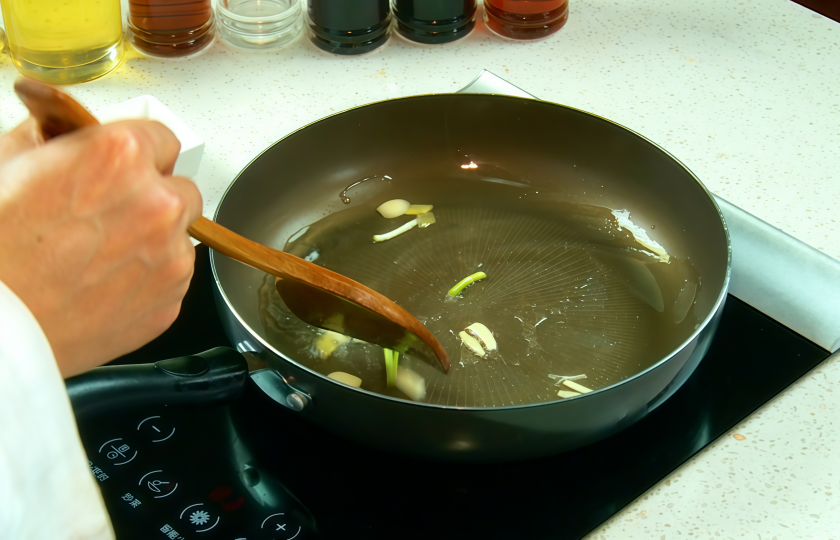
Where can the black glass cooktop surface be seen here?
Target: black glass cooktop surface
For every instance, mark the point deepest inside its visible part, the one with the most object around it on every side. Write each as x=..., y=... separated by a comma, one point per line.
x=255, y=470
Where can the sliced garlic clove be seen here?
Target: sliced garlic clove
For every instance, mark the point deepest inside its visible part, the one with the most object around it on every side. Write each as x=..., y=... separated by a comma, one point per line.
x=329, y=342
x=483, y=334
x=393, y=208
x=578, y=387
x=416, y=209
x=346, y=378
x=471, y=343
x=560, y=378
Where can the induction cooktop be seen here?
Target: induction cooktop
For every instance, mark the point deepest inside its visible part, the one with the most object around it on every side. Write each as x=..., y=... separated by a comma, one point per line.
x=255, y=470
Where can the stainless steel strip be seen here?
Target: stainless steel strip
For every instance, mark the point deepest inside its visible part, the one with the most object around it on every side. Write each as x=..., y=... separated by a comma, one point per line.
x=784, y=278
x=775, y=273
x=488, y=83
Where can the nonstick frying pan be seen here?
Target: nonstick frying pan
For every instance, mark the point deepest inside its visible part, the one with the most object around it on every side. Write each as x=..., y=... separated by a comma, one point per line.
x=605, y=256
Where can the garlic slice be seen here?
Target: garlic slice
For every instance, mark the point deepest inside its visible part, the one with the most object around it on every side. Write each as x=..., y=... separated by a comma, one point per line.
x=416, y=209
x=472, y=343
x=393, y=208
x=396, y=232
x=578, y=387
x=567, y=393
x=558, y=379
x=328, y=342
x=346, y=378
x=483, y=335
x=424, y=220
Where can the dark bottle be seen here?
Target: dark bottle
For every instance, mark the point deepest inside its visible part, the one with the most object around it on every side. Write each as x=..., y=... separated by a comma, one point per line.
x=525, y=19
x=349, y=26
x=434, y=21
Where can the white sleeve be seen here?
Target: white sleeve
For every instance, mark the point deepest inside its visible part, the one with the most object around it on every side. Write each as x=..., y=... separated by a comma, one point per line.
x=46, y=486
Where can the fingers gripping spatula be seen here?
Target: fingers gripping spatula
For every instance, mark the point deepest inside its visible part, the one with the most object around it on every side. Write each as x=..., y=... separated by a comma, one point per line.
x=316, y=295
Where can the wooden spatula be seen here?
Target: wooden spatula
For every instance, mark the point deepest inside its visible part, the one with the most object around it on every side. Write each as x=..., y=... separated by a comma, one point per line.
x=316, y=295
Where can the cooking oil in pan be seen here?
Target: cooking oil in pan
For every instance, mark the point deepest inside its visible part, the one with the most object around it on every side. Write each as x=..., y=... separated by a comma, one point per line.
x=567, y=293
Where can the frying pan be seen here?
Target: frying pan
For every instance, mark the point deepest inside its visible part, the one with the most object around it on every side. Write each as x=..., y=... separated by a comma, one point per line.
x=605, y=257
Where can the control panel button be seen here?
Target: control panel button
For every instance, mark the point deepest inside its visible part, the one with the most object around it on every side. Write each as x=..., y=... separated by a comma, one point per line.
x=158, y=484
x=118, y=451
x=280, y=527
x=199, y=517
x=155, y=430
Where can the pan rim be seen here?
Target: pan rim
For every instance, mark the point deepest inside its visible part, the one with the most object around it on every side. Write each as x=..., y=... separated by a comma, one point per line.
x=701, y=327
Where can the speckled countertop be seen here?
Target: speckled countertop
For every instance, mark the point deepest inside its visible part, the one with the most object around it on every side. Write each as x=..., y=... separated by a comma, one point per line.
x=746, y=93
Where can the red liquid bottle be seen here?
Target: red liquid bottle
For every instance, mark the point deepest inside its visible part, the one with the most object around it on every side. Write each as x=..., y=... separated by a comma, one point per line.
x=525, y=19
x=170, y=28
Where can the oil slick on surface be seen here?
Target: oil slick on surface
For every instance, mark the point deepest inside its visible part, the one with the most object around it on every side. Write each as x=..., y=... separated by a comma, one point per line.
x=574, y=290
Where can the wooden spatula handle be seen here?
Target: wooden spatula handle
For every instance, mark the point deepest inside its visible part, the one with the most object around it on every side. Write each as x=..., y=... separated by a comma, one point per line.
x=56, y=112
x=237, y=247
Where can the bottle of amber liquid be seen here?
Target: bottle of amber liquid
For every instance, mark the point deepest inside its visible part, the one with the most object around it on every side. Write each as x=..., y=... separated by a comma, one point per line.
x=525, y=19
x=64, y=41
x=170, y=28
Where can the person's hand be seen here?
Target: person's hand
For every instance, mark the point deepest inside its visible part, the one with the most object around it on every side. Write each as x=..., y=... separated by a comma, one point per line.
x=93, y=236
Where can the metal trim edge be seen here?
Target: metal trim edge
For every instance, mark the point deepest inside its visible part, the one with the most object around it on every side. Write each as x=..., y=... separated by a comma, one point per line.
x=784, y=278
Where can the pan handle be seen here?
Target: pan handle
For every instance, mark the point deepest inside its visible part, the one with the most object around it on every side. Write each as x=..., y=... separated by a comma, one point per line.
x=213, y=377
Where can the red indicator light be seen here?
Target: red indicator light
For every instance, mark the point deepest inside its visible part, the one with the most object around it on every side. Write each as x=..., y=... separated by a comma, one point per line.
x=222, y=495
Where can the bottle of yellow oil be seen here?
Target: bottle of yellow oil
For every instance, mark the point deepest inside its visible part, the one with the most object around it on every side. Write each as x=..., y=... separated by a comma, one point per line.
x=64, y=41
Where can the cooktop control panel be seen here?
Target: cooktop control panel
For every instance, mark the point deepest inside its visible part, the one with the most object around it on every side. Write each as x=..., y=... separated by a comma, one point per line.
x=184, y=474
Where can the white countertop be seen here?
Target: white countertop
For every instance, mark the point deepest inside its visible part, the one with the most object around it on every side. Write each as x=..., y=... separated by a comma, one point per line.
x=746, y=93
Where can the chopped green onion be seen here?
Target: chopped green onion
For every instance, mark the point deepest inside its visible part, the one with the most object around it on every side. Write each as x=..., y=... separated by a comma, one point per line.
x=469, y=280
x=391, y=358
x=396, y=232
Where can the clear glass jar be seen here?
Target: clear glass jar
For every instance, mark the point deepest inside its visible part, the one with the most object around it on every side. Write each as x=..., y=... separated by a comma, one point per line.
x=259, y=24
x=64, y=41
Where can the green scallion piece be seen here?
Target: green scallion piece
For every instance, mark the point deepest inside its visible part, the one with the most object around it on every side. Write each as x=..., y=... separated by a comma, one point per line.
x=391, y=358
x=464, y=283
